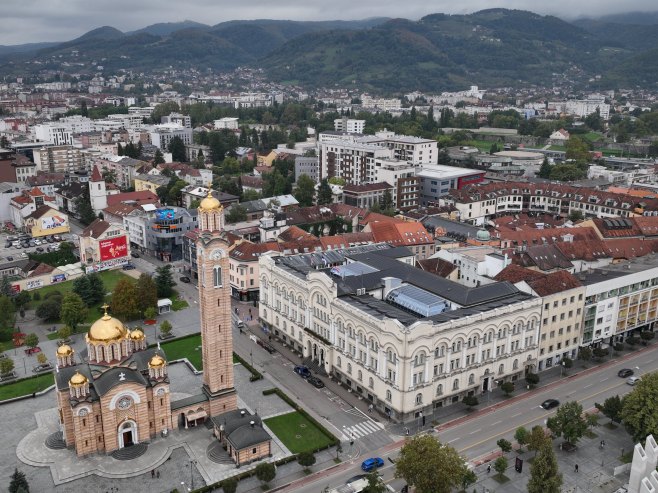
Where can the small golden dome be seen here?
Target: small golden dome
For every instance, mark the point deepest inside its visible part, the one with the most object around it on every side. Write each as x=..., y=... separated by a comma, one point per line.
x=210, y=203
x=64, y=350
x=106, y=329
x=137, y=335
x=156, y=361
x=78, y=380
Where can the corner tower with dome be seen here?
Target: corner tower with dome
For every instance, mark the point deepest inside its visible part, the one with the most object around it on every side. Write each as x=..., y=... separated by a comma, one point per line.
x=116, y=395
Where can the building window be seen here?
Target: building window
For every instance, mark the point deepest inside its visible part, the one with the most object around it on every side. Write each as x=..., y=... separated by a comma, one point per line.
x=217, y=277
x=389, y=396
x=339, y=363
x=439, y=389
x=471, y=379
x=349, y=368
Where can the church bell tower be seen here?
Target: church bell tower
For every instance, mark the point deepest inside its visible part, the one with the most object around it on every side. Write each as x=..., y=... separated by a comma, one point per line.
x=215, y=306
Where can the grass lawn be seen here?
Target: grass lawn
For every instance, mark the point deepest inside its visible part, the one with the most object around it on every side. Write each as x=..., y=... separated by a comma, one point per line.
x=26, y=387
x=110, y=280
x=177, y=304
x=297, y=433
x=185, y=348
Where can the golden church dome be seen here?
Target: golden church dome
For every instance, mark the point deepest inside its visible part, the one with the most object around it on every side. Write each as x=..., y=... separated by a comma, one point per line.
x=137, y=335
x=106, y=329
x=78, y=380
x=156, y=361
x=64, y=350
x=210, y=203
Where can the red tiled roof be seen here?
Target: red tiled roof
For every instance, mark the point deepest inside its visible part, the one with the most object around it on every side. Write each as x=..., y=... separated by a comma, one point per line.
x=617, y=228
x=631, y=248
x=41, y=269
x=587, y=250
x=35, y=192
x=515, y=273
x=648, y=225
x=246, y=251
x=96, y=175
x=96, y=228
x=120, y=209
x=437, y=266
x=400, y=233
x=295, y=233
x=555, y=282
x=142, y=197
x=539, y=236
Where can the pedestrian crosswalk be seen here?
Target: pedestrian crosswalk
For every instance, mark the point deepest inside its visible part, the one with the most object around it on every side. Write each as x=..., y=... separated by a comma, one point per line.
x=361, y=429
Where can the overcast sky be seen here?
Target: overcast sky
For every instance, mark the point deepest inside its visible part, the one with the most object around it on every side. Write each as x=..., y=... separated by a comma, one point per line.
x=28, y=21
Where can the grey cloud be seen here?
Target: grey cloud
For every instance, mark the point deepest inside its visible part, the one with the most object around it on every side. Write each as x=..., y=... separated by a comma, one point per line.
x=28, y=21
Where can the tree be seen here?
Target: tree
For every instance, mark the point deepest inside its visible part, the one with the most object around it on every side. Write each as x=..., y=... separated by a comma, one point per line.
x=265, y=472
x=600, y=353
x=41, y=358
x=611, y=408
x=236, y=214
x=22, y=299
x=32, y=340
x=18, y=482
x=305, y=191
x=164, y=281
x=584, y=354
x=568, y=422
x=532, y=379
x=6, y=366
x=375, y=484
x=592, y=419
x=306, y=459
x=324, y=193
x=229, y=485
x=578, y=150
x=430, y=466
x=639, y=412
x=147, y=293
x=505, y=445
x=89, y=288
x=158, y=158
x=7, y=316
x=471, y=401
x=124, y=300
x=500, y=465
x=49, y=309
x=507, y=388
x=165, y=328
x=83, y=207
x=73, y=310
x=521, y=435
x=537, y=438
x=575, y=216
x=468, y=479
x=177, y=148
x=388, y=208
x=64, y=332
x=545, y=169
x=544, y=475
x=150, y=313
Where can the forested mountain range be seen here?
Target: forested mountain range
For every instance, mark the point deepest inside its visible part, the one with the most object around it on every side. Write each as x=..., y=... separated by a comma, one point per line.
x=495, y=47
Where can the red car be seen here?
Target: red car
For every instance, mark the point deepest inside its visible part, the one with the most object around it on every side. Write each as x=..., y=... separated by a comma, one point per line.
x=32, y=350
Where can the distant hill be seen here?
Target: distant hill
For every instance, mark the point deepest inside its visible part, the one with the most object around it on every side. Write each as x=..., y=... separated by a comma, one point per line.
x=28, y=47
x=491, y=48
x=635, y=18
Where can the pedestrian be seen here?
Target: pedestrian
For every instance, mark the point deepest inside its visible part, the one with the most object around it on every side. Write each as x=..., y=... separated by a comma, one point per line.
x=602, y=443
x=406, y=431
x=152, y=473
x=157, y=475
x=370, y=408
x=488, y=468
x=575, y=468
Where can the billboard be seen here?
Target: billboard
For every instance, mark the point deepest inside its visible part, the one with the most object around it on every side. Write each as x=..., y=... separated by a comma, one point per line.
x=113, y=248
x=53, y=222
x=165, y=214
x=108, y=264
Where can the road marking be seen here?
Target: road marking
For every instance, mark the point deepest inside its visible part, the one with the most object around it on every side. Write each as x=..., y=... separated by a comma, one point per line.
x=475, y=431
x=588, y=386
x=496, y=423
x=515, y=415
x=361, y=429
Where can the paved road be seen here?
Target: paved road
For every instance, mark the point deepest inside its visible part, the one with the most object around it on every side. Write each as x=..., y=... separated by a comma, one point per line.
x=475, y=436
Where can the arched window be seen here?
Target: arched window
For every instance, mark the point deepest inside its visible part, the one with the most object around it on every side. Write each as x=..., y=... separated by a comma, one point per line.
x=217, y=277
x=455, y=384
x=501, y=369
x=360, y=375
x=349, y=368
x=419, y=398
x=371, y=382
x=515, y=365
x=439, y=389
x=339, y=362
x=471, y=379
x=389, y=396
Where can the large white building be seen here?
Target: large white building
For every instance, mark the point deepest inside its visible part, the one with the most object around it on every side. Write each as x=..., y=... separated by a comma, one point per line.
x=161, y=135
x=405, y=340
x=349, y=125
x=53, y=133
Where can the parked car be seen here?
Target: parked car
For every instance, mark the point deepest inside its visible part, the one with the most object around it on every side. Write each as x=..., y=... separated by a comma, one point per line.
x=43, y=367
x=625, y=372
x=372, y=463
x=128, y=267
x=185, y=279
x=316, y=382
x=11, y=259
x=550, y=404
x=40, y=249
x=49, y=239
x=23, y=254
x=632, y=380
x=31, y=243
x=8, y=244
x=32, y=350
x=37, y=242
x=302, y=371
x=134, y=254
x=239, y=324
x=57, y=238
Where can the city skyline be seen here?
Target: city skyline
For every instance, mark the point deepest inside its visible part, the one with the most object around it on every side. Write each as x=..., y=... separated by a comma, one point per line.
x=43, y=21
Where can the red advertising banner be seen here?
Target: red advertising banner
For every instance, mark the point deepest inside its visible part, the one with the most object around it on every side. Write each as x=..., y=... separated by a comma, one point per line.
x=114, y=248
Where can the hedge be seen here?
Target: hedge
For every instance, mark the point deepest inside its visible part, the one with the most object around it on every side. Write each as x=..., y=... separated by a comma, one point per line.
x=255, y=374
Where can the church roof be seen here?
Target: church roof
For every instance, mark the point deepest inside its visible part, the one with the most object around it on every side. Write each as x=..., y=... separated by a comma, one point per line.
x=117, y=376
x=239, y=430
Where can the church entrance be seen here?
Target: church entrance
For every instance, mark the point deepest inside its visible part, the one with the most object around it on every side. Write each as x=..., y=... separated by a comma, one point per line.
x=127, y=434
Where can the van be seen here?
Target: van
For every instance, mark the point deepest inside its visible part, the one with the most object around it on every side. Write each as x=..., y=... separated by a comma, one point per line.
x=632, y=380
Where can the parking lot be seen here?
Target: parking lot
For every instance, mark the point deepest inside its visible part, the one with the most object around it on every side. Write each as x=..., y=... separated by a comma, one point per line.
x=16, y=246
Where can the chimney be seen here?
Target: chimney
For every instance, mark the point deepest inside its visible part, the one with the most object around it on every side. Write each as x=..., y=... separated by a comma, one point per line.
x=242, y=413
x=252, y=423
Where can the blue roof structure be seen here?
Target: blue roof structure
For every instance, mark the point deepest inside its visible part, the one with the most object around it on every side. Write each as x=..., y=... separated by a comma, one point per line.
x=417, y=301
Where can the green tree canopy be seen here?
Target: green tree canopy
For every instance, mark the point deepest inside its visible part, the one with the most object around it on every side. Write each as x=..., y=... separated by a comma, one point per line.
x=6, y=365
x=124, y=300
x=375, y=483
x=177, y=148
x=305, y=190
x=158, y=158
x=73, y=310
x=236, y=214
x=265, y=472
x=569, y=422
x=611, y=408
x=32, y=340
x=639, y=411
x=18, y=482
x=147, y=292
x=429, y=465
x=83, y=207
x=324, y=193
x=544, y=474
x=164, y=280
x=90, y=288
x=7, y=317
x=49, y=309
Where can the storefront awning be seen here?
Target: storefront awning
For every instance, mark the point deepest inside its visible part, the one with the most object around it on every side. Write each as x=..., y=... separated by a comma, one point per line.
x=193, y=416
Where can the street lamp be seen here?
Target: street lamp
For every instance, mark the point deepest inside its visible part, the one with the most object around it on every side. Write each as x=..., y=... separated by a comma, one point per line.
x=562, y=366
x=420, y=417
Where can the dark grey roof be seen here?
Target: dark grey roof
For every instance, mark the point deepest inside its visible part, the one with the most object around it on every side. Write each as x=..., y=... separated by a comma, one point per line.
x=189, y=401
x=116, y=376
x=396, y=252
x=453, y=227
x=238, y=429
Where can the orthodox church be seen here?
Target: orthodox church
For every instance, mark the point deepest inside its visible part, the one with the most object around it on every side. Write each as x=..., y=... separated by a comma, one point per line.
x=118, y=395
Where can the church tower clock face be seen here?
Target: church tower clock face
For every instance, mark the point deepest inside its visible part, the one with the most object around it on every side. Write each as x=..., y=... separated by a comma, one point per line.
x=217, y=254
